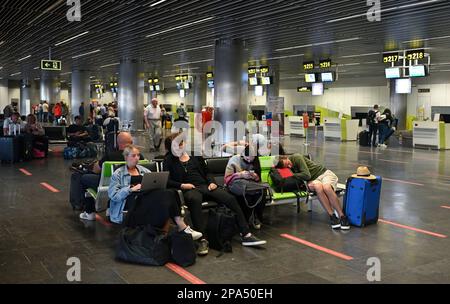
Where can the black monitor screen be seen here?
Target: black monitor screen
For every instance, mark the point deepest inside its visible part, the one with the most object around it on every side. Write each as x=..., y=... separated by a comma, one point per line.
x=445, y=118
x=361, y=115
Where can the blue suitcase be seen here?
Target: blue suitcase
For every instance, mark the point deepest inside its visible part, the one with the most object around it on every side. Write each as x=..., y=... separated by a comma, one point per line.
x=362, y=201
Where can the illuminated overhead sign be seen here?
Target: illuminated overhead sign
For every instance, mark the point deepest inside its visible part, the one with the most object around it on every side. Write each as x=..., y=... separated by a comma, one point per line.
x=325, y=64
x=264, y=69
x=51, y=65
x=391, y=57
x=308, y=65
x=304, y=89
x=415, y=54
x=210, y=75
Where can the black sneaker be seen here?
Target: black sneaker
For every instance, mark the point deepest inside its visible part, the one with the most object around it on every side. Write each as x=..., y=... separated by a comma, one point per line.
x=335, y=222
x=345, y=225
x=203, y=247
x=252, y=241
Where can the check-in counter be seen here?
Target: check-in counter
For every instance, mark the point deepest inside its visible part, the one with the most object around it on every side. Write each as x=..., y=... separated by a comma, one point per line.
x=294, y=126
x=341, y=129
x=431, y=134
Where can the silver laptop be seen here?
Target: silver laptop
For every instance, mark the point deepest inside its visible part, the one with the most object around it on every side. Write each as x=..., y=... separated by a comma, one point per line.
x=154, y=180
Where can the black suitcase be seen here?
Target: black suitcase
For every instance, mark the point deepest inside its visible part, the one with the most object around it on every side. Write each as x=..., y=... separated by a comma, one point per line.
x=364, y=139
x=111, y=142
x=10, y=149
x=27, y=149
x=76, y=191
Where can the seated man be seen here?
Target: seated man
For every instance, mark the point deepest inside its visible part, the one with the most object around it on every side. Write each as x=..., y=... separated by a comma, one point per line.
x=13, y=126
x=322, y=181
x=92, y=180
x=77, y=132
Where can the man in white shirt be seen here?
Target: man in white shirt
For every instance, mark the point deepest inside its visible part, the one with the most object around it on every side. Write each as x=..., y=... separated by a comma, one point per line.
x=152, y=116
x=45, y=111
x=13, y=126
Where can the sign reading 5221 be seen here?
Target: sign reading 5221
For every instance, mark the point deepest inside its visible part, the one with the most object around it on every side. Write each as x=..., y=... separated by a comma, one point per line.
x=51, y=65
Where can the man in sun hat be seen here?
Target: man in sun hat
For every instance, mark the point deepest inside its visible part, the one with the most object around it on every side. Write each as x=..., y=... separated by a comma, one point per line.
x=322, y=181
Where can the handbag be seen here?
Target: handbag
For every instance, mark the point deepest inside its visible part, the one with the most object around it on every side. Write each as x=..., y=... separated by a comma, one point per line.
x=243, y=187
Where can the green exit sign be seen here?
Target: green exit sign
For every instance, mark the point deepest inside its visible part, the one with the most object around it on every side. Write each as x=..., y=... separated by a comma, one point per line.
x=51, y=65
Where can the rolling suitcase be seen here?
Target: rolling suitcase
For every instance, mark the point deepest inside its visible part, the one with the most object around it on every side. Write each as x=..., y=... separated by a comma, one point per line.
x=10, y=149
x=364, y=139
x=362, y=201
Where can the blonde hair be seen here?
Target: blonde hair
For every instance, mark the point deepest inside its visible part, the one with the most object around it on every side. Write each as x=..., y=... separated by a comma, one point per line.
x=128, y=150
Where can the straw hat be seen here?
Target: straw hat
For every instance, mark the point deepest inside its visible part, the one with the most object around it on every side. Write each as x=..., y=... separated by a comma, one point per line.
x=364, y=172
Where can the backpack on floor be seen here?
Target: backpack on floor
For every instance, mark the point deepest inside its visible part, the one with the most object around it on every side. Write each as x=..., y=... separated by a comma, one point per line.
x=71, y=152
x=143, y=245
x=221, y=228
x=182, y=249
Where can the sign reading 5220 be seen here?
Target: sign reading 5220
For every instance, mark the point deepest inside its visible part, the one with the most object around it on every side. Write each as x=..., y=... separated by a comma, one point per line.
x=51, y=65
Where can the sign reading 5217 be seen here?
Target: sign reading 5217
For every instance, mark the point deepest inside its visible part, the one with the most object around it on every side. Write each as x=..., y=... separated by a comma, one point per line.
x=51, y=65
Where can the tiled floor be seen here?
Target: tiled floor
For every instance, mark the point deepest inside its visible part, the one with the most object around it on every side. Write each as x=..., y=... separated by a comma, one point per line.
x=39, y=232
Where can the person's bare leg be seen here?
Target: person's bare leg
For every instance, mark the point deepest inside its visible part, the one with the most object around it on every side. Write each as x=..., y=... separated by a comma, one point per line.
x=323, y=199
x=180, y=223
x=333, y=199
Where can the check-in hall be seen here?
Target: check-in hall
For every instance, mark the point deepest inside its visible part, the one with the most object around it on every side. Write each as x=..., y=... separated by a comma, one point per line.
x=224, y=142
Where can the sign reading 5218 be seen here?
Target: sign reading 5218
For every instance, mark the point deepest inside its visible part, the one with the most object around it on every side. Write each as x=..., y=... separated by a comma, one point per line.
x=51, y=65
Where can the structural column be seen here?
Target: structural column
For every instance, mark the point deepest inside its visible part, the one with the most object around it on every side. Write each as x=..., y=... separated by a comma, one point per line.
x=27, y=93
x=200, y=93
x=81, y=92
x=231, y=83
x=49, y=87
x=131, y=93
x=399, y=104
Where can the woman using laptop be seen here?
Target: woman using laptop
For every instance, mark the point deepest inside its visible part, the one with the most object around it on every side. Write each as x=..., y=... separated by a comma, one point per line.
x=155, y=208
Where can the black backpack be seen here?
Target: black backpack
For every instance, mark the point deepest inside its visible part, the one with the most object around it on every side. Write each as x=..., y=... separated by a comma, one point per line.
x=113, y=125
x=371, y=117
x=221, y=229
x=143, y=245
x=182, y=248
x=285, y=184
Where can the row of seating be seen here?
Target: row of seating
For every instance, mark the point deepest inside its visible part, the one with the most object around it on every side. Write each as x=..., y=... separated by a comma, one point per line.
x=216, y=169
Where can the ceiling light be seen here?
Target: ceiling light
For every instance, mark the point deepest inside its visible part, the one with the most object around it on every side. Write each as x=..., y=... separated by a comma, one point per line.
x=187, y=50
x=2, y=42
x=67, y=73
x=180, y=27
x=36, y=68
x=283, y=57
x=16, y=74
x=72, y=38
x=26, y=57
x=316, y=44
x=361, y=55
x=156, y=3
x=85, y=54
x=427, y=39
x=186, y=63
x=109, y=65
x=383, y=10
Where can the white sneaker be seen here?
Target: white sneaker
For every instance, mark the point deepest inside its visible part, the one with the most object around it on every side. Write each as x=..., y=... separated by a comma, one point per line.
x=107, y=213
x=195, y=234
x=87, y=216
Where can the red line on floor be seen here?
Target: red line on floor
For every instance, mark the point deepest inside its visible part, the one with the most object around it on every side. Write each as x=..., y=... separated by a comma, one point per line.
x=402, y=181
x=27, y=173
x=102, y=221
x=50, y=188
x=413, y=229
x=446, y=207
x=317, y=247
x=184, y=274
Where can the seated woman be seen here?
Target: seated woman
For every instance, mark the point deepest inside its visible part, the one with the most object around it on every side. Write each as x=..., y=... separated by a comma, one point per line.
x=246, y=166
x=190, y=175
x=155, y=208
x=40, y=141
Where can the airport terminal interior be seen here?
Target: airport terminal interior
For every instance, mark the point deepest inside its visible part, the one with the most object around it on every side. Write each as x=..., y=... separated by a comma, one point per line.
x=357, y=93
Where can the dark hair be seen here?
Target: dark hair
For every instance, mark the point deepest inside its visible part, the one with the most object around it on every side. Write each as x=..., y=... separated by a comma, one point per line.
x=78, y=117
x=256, y=163
x=168, y=142
x=280, y=163
x=387, y=111
x=376, y=106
